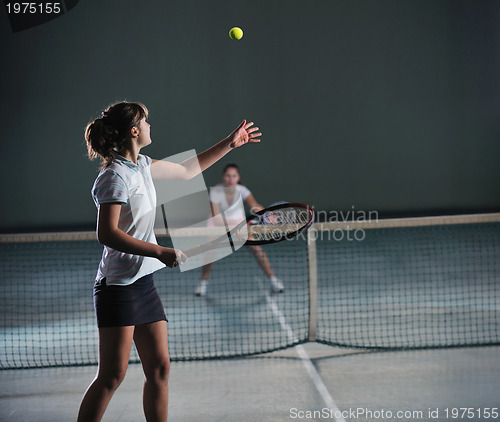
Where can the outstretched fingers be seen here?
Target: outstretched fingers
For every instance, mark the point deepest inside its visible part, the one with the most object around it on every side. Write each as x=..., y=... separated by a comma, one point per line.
x=254, y=137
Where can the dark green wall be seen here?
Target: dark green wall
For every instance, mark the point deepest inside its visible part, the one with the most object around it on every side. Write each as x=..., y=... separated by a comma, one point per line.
x=378, y=105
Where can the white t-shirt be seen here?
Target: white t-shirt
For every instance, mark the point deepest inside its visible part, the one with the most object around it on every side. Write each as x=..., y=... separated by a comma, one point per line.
x=231, y=211
x=131, y=185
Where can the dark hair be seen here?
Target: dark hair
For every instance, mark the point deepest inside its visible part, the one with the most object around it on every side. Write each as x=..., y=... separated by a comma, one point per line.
x=110, y=133
x=230, y=166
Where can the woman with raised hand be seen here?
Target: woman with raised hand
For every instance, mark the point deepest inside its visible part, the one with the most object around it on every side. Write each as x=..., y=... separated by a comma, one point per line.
x=127, y=305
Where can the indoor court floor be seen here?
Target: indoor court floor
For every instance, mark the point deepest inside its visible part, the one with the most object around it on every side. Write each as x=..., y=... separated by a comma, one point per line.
x=338, y=384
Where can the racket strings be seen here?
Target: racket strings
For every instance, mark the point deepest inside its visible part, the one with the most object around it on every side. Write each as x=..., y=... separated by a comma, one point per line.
x=278, y=224
x=287, y=216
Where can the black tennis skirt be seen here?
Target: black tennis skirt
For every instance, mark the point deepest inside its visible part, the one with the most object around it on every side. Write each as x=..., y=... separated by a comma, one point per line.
x=121, y=306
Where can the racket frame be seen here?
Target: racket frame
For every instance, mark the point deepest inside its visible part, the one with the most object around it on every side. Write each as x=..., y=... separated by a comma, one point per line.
x=248, y=242
x=286, y=236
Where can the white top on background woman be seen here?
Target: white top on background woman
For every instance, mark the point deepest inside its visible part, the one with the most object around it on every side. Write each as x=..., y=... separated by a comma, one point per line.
x=222, y=197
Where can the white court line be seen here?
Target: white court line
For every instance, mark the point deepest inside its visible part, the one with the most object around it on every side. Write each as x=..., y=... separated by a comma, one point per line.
x=304, y=357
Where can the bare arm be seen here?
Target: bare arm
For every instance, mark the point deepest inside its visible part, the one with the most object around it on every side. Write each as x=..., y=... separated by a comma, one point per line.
x=216, y=217
x=253, y=204
x=242, y=135
x=215, y=208
x=110, y=235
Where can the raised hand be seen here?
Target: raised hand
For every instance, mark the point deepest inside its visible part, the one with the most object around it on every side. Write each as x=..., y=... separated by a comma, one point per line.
x=244, y=134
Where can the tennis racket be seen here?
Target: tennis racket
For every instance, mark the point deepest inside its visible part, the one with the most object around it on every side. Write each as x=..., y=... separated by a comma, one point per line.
x=270, y=225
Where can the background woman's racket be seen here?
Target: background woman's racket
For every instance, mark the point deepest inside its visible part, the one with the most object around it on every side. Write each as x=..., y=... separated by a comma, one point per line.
x=270, y=225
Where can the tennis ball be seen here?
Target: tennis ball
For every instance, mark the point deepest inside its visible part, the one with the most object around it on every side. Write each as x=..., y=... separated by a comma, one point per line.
x=235, y=33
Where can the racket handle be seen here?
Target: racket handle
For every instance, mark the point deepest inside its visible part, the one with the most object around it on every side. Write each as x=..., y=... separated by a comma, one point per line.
x=205, y=248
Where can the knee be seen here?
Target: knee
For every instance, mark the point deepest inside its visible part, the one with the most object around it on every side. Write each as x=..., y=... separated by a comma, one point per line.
x=164, y=371
x=113, y=378
x=159, y=372
x=256, y=249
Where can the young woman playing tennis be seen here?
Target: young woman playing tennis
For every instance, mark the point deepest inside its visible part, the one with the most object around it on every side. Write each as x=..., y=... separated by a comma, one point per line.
x=127, y=304
x=222, y=198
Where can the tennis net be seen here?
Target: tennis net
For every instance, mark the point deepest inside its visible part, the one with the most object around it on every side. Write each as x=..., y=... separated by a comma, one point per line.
x=388, y=284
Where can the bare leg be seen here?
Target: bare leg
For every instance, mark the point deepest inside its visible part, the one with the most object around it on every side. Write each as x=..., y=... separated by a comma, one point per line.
x=114, y=353
x=152, y=345
x=201, y=289
x=262, y=260
x=206, y=270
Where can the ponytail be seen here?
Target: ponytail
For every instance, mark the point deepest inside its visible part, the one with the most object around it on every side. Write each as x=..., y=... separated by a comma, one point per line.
x=110, y=133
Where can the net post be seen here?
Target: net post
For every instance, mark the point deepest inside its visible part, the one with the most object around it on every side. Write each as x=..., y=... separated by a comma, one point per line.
x=313, y=283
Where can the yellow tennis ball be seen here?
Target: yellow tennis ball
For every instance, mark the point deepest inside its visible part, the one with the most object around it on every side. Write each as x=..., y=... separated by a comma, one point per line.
x=235, y=33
